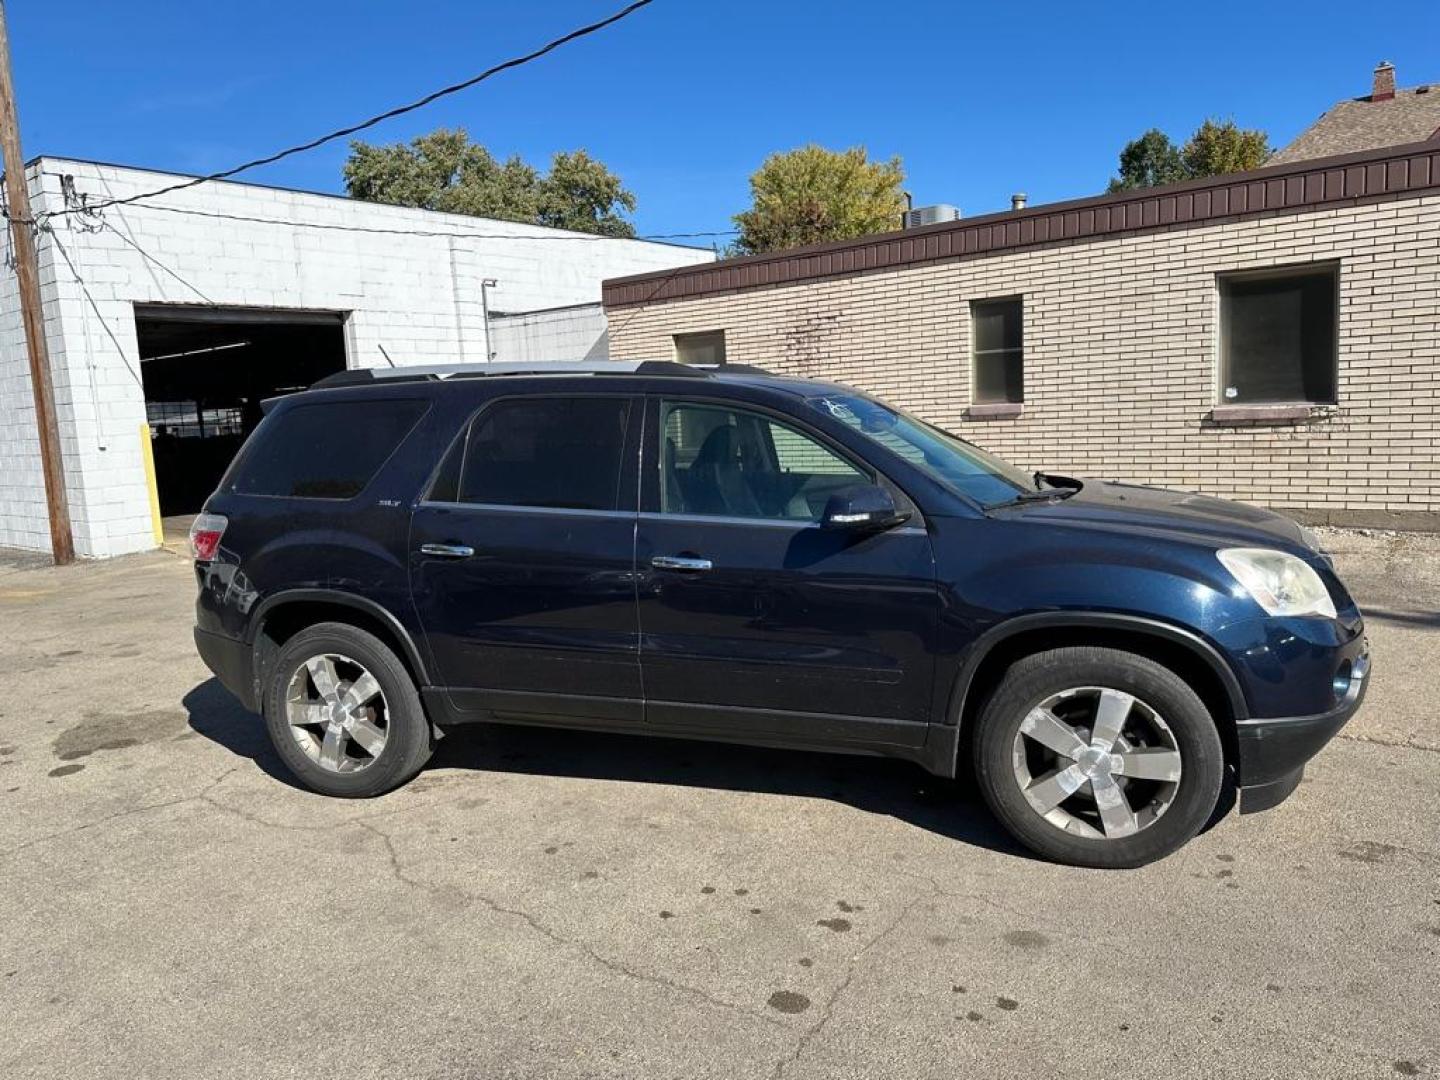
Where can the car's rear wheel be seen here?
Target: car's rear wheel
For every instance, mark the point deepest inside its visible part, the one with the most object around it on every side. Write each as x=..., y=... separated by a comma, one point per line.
x=343, y=712
x=1098, y=757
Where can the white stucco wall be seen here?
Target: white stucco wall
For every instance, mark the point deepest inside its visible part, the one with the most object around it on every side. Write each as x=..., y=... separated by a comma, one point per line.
x=418, y=296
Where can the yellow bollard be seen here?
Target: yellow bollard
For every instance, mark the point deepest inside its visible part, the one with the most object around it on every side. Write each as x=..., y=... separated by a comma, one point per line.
x=148, y=454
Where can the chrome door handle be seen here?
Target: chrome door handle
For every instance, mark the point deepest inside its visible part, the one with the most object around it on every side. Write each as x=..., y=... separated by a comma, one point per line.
x=447, y=551
x=679, y=562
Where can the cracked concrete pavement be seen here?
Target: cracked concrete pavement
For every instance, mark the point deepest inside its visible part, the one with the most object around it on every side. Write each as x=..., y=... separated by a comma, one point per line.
x=551, y=904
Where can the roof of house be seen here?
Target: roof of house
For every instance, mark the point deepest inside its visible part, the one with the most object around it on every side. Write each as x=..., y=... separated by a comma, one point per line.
x=1364, y=123
x=1391, y=172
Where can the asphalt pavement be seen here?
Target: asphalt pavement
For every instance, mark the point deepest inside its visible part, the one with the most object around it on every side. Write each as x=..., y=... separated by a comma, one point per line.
x=554, y=904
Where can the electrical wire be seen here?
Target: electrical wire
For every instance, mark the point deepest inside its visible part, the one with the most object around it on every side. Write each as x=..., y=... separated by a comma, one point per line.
x=435, y=233
x=124, y=359
x=645, y=303
x=156, y=262
x=390, y=114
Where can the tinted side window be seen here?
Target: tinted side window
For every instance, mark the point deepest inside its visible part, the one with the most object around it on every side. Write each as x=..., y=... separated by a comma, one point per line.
x=323, y=451
x=722, y=462
x=556, y=452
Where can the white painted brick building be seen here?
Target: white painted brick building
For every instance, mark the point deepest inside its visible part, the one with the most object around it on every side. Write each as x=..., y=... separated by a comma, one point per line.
x=398, y=283
x=573, y=332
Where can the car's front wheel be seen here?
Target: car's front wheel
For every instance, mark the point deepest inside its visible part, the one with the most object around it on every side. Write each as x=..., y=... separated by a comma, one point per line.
x=1098, y=757
x=343, y=712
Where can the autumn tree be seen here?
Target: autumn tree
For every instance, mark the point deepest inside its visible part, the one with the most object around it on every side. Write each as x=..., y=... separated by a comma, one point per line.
x=1216, y=149
x=446, y=171
x=811, y=195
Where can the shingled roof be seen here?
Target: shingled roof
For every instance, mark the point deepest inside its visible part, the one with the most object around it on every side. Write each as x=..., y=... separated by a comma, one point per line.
x=1384, y=117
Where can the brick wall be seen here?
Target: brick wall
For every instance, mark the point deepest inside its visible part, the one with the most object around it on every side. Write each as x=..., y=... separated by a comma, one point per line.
x=1121, y=355
x=418, y=296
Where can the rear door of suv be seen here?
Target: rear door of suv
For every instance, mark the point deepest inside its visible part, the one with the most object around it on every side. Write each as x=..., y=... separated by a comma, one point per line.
x=522, y=555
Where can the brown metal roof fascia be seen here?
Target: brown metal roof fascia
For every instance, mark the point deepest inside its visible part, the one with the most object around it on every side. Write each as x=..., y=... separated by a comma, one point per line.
x=1300, y=185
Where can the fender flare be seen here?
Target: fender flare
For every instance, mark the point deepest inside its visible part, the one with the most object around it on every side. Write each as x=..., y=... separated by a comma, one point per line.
x=1101, y=620
x=343, y=599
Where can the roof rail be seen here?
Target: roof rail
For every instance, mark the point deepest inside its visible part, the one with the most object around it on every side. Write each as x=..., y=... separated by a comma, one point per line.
x=436, y=372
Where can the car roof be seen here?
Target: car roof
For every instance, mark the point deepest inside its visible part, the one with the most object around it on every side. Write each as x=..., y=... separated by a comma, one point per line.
x=743, y=374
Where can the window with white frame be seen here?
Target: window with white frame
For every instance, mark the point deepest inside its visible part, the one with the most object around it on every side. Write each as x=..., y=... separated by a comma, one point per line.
x=1278, y=335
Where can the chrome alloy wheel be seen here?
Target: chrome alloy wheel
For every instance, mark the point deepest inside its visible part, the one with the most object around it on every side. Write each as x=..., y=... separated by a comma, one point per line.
x=337, y=713
x=1097, y=762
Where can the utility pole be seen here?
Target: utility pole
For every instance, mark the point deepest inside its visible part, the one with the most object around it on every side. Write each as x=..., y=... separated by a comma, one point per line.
x=27, y=273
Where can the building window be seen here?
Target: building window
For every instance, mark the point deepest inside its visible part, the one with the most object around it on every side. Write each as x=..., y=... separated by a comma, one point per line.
x=187, y=420
x=1278, y=334
x=999, y=351
x=706, y=348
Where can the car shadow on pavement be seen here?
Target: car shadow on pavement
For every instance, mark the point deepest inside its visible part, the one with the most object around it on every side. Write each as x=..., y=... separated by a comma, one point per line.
x=874, y=785
x=216, y=714
x=1428, y=620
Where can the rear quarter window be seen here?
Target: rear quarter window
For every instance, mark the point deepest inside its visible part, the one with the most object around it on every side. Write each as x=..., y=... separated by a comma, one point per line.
x=328, y=450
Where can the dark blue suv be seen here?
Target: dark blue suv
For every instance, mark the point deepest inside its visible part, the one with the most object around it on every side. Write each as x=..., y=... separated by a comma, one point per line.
x=724, y=554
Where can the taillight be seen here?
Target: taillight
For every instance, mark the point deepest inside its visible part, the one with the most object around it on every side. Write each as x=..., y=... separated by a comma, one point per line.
x=205, y=534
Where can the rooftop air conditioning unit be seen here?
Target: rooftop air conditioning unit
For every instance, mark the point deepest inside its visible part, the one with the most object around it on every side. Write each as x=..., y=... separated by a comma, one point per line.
x=931, y=215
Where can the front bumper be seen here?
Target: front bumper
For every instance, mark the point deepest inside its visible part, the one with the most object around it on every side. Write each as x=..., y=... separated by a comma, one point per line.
x=232, y=661
x=1273, y=751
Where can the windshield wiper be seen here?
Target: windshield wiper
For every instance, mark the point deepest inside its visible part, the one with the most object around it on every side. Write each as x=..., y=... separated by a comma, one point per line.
x=1061, y=487
x=1038, y=496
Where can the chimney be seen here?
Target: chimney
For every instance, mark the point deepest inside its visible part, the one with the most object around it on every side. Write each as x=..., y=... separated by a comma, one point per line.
x=1384, y=86
x=1017, y=201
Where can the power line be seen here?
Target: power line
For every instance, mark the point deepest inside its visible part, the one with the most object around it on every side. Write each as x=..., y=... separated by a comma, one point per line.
x=382, y=231
x=84, y=209
x=153, y=260
x=120, y=349
x=643, y=304
x=400, y=110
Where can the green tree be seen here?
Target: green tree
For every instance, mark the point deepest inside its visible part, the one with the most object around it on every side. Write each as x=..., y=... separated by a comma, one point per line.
x=446, y=171
x=1147, y=161
x=582, y=194
x=1214, y=149
x=811, y=195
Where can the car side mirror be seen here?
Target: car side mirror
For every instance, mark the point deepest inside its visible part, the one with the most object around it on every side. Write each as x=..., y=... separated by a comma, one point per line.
x=863, y=507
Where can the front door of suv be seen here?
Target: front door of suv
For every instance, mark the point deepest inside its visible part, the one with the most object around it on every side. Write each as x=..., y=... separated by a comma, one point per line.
x=755, y=621
x=522, y=558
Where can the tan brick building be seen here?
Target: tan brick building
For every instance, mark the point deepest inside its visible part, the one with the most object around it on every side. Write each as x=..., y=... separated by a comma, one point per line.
x=1271, y=336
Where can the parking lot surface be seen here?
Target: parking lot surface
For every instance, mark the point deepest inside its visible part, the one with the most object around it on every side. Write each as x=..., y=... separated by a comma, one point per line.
x=553, y=904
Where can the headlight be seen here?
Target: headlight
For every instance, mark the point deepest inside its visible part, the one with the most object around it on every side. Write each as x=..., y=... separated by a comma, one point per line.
x=1280, y=583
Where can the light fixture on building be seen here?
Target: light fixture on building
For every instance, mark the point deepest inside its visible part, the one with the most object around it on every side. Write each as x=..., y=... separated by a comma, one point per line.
x=486, y=285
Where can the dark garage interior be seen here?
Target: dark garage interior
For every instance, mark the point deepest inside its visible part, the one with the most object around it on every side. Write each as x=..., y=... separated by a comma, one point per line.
x=205, y=371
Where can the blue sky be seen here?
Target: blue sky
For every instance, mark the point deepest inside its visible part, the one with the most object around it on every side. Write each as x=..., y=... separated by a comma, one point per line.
x=685, y=98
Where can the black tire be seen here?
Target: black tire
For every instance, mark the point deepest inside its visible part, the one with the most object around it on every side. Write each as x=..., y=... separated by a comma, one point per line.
x=408, y=741
x=1033, y=679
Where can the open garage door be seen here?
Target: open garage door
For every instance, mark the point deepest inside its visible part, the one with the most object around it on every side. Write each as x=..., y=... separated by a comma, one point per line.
x=205, y=371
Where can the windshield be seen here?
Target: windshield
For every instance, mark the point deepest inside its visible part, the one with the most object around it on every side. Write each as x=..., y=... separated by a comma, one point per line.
x=955, y=463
